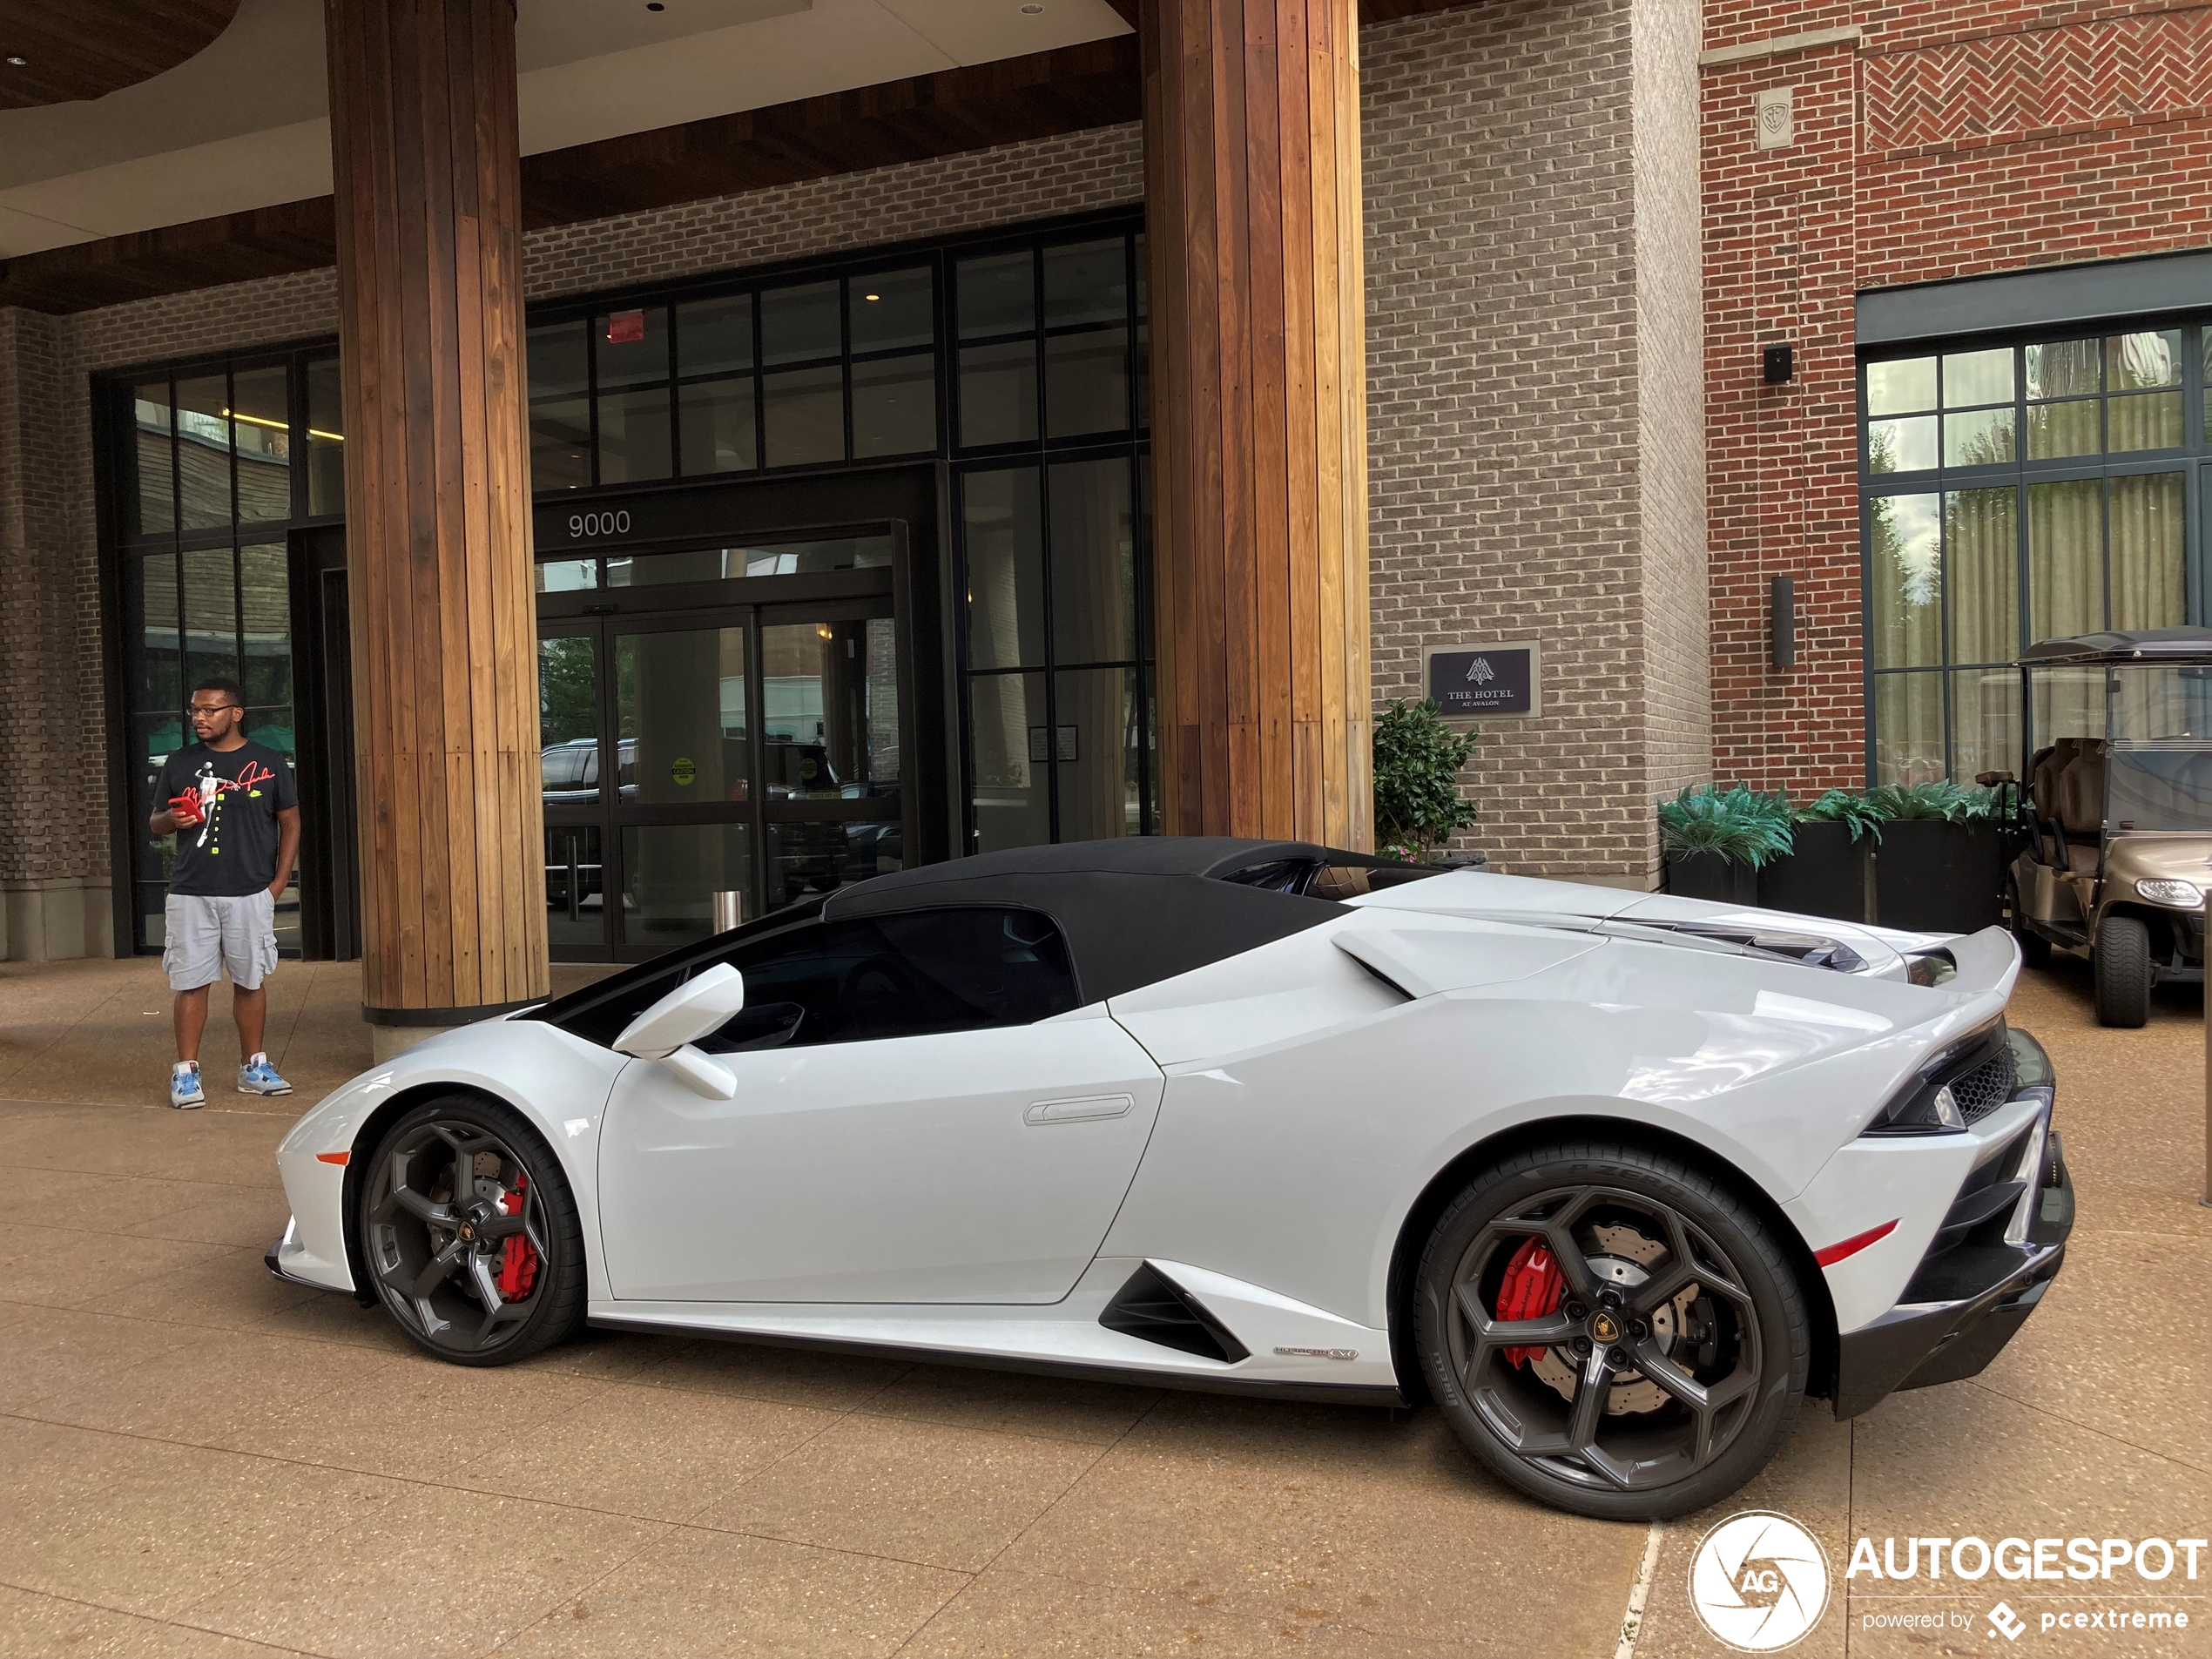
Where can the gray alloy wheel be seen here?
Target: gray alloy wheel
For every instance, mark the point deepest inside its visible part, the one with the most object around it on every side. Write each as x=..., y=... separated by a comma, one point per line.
x=1663, y=1360
x=470, y=1233
x=2122, y=970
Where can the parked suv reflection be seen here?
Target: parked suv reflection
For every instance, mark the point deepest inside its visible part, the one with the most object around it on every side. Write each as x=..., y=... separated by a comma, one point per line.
x=570, y=771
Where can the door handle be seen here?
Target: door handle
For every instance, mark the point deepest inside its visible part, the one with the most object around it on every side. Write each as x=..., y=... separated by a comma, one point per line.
x=1074, y=1111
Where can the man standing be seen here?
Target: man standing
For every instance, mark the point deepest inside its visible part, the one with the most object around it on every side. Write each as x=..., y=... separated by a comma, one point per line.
x=232, y=806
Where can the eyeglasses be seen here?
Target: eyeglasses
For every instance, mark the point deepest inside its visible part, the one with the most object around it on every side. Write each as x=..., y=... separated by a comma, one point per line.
x=210, y=708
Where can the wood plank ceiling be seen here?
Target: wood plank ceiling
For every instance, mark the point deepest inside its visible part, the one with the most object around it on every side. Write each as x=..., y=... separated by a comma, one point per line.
x=86, y=49
x=1042, y=95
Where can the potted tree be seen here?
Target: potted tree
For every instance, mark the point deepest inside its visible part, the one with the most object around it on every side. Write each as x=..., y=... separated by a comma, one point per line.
x=1418, y=807
x=1714, y=840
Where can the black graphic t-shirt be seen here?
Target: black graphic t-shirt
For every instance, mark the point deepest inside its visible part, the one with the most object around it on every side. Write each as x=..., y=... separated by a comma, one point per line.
x=233, y=850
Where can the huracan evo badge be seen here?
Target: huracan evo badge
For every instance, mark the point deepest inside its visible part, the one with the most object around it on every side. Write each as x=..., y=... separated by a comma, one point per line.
x=1319, y=1353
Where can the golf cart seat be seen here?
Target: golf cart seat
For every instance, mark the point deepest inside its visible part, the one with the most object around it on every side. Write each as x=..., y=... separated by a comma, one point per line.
x=2067, y=791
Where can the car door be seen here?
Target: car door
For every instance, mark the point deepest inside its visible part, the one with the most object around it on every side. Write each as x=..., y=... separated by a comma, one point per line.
x=922, y=1114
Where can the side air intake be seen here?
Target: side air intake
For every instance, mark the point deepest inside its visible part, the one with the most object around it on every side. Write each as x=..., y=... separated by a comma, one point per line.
x=1156, y=1309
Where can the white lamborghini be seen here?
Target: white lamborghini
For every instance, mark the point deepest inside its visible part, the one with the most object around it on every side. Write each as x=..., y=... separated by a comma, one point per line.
x=1616, y=1180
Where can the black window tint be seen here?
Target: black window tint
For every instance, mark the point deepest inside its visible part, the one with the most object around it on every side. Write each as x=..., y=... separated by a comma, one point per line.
x=900, y=976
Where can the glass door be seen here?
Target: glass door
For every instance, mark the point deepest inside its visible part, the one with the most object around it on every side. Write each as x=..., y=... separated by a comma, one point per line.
x=571, y=767
x=830, y=737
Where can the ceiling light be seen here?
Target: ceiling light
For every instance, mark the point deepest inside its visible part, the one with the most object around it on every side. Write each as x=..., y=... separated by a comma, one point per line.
x=871, y=298
x=655, y=5
x=19, y=61
x=1033, y=10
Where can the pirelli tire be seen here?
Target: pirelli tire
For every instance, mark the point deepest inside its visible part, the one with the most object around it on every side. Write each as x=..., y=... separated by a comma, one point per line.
x=1670, y=1367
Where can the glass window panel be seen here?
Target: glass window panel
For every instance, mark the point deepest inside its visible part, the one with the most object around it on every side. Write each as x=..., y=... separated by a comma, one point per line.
x=203, y=452
x=560, y=444
x=1095, y=752
x=1981, y=550
x=830, y=711
x=1086, y=282
x=819, y=858
x=211, y=615
x=576, y=927
x=895, y=405
x=713, y=336
x=680, y=697
x=261, y=417
x=2067, y=703
x=2134, y=362
x=805, y=415
x=273, y=727
x=567, y=575
x=1980, y=438
x=151, y=425
x=669, y=875
x=2145, y=421
x=149, y=599
x=153, y=920
x=568, y=720
x=1086, y=382
x=2066, y=575
x=2056, y=430
x=557, y=362
x=632, y=347
x=633, y=435
x=1006, y=738
x=325, y=438
x=1093, y=563
x=1907, y=578
x=1142, y=278
x=2063, y=368
x=1143, y=376
x=1985, y=723
x=2147, y=539
x=1908, y=728
x=998, y=393
x=1901, y=446
x=1005, y=570
x=152, y=739
x=997, y=295
x=1901, y=387
x=891, y=309
x=717, y=419
x=265, y=598
x=1972, y=377
x=799, y=323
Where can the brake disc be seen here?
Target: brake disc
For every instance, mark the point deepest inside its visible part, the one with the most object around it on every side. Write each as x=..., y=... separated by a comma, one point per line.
x=1623, y=1255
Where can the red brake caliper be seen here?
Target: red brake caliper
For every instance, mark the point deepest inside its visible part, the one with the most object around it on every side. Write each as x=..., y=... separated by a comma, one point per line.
x=517, y=1256
x=1531, y=1290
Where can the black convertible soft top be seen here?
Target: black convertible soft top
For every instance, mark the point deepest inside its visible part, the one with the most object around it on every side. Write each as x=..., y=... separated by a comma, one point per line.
x=1133, y=912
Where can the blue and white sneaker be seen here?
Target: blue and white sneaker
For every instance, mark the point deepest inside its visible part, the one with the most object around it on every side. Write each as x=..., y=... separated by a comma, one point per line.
x=185, y=1091
x=258, y=1076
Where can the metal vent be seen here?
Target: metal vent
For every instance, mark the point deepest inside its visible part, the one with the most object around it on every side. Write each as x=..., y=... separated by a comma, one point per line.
x=1986, y=1087
x=1155, y=1308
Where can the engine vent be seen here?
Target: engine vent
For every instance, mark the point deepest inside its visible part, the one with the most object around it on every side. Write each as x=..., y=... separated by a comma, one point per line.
x=1986, y=1087
x=1154, y=1307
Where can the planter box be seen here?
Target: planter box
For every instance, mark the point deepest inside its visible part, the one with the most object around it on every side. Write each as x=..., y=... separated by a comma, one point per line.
x=1939, y=878
x=1708, y=875
x=1828, y=874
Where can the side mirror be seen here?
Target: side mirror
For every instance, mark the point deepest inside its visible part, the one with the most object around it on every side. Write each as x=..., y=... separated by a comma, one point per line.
x=665, y=1031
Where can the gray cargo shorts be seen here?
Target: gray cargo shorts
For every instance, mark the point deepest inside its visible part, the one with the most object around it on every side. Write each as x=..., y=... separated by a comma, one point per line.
x=207, y=935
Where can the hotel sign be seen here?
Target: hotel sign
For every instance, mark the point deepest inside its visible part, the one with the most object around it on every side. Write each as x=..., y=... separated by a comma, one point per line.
x=1472, y=682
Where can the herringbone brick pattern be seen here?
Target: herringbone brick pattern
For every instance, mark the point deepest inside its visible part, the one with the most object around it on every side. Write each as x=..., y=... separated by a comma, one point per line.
x=2080, y=77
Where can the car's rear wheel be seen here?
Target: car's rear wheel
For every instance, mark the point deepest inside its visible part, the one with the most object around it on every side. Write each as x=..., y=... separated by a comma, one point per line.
x=2122, y=965
x=1611, y=1331
x=470, y=1233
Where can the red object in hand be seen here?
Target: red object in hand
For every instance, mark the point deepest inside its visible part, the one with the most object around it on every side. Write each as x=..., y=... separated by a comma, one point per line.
x=517, y=1256
x=1530, y=1290
x=185, y=810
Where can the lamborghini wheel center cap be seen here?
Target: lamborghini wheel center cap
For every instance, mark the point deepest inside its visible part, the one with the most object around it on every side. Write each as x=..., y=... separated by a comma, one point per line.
x=1604, y=1327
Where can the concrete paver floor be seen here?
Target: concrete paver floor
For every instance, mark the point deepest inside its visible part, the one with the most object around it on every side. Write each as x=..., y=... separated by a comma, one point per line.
x=201, y=1462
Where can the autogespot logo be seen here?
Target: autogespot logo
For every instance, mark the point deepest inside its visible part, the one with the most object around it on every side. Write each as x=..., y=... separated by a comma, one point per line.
x=1760, y=1581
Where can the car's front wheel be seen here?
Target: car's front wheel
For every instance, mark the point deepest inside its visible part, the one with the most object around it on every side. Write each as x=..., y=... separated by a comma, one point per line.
x=470, y=1233
x=1610, y=1330
x=2121, y=967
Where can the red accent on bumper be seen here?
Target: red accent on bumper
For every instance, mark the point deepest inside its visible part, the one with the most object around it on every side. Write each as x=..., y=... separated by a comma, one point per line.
x=1852, y=1246
x=338, y=1158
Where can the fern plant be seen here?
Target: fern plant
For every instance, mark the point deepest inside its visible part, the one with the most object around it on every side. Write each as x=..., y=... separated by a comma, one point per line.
x=1847, y=807
x=1741, y=825
x=1934, y=798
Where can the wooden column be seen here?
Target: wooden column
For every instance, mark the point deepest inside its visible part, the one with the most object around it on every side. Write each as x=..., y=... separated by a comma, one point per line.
x=1252, y=154
x=437, y=503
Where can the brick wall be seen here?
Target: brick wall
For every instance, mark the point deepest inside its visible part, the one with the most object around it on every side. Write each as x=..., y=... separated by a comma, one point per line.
x=1533, y=450
x=1951, y=140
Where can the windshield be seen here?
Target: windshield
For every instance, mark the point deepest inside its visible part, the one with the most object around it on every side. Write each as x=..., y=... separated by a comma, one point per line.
x=2146, y=703
x=2160, y=787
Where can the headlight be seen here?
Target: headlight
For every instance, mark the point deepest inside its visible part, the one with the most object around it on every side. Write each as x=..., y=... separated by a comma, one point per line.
x=2183, y=896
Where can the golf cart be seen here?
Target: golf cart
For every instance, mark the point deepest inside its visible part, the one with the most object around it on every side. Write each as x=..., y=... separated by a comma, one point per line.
x=2115, y=809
